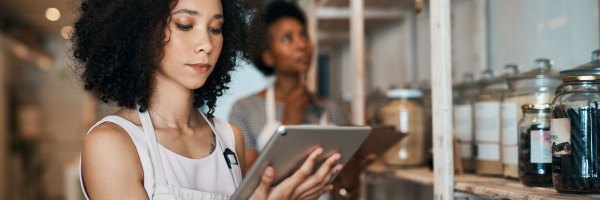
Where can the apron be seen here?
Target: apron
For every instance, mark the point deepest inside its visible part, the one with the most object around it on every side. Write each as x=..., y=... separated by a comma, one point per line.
x=272, y=124
x=163, y=190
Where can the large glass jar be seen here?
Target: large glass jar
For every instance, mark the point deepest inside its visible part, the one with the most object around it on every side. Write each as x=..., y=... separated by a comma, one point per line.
x=591, y=68
x=487, y=122
x=535, y=86
x=406, y=114
x=575, y=135
x=535, y=160
x=466, y=94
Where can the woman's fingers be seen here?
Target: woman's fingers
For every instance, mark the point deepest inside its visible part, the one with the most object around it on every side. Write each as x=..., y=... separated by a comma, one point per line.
x=307, y=167
x=315, y=182
x=314, y=194
x=263, y=190
x=318, y=188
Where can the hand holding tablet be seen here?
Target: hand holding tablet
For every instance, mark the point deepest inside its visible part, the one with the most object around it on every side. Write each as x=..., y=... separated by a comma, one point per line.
x=300, y=162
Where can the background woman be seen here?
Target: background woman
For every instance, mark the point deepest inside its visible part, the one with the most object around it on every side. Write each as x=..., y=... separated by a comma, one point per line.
x=286, y=54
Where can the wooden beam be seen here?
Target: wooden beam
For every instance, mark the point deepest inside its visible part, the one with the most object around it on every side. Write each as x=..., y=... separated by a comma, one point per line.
x=441, y=83
x=334, y=36
x=357, y=46
x=345, y=13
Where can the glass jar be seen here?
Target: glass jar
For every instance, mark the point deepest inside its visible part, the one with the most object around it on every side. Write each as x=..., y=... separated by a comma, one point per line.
x=533, y=87
x=466, y=94
x=574, y=135
x=535, y=160
x=591, y=68
x=487, y=122
x=406, y=114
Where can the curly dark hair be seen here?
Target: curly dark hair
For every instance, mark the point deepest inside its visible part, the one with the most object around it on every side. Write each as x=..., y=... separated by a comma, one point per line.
x=267, y=16
x=118, y=44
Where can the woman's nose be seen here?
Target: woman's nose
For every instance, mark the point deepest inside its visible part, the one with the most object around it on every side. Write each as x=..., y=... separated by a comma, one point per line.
x=203, y=44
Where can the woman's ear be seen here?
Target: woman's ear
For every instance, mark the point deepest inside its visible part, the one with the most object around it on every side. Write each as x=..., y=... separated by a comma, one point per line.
x=268, y=59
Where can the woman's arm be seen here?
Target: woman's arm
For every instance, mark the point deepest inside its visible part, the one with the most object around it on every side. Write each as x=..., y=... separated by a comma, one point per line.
x=111, y=167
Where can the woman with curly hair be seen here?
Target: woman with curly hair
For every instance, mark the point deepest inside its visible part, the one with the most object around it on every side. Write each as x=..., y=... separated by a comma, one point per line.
x=161, y=60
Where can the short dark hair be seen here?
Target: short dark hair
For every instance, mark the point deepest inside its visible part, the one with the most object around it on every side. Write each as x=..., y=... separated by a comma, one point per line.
x=259, y=27
x=118, y=44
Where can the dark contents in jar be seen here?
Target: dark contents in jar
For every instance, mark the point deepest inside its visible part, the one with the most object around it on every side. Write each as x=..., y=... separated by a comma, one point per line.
x=533, y=174
x=579, y=172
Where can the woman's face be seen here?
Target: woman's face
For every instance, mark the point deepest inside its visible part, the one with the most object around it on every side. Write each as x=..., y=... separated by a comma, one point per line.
x=194, y=42
x=290, y=50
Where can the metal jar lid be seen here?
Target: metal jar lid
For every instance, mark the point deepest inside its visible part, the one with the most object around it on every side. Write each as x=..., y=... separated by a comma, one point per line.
x=581, y=78
x=541, y=76
x=591, y=68
x=536, y=106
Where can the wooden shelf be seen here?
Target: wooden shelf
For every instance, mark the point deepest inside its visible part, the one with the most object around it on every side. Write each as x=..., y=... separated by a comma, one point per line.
x=492, y=187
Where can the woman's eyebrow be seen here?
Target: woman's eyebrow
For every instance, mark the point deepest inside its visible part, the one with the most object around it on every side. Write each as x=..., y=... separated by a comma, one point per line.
x=186, y=11
x=218, y=16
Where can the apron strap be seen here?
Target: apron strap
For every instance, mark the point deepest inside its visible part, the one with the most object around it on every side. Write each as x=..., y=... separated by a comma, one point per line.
x=270, y=103
x=159, y=173
x=230, y=157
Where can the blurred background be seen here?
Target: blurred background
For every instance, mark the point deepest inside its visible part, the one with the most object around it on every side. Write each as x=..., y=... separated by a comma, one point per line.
x=44, y=112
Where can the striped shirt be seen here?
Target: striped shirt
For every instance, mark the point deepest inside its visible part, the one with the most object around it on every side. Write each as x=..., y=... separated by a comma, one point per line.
x=249, y=115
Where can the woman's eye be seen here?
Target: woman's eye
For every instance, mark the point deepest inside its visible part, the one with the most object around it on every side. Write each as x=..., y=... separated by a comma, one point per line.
x=286, y=39
x=184, y=27
x=215, y=30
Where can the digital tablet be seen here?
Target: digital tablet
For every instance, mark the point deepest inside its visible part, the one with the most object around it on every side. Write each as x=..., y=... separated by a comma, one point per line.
x=290, y=146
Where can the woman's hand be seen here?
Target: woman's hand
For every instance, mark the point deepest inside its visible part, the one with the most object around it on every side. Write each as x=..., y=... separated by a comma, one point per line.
x=302, y=184
x=296, y=104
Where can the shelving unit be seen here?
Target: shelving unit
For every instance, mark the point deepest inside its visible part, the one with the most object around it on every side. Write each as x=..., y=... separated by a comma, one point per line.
x=471, y=184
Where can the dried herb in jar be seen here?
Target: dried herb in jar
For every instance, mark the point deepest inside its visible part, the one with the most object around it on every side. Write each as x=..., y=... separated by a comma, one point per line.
x=576, y=164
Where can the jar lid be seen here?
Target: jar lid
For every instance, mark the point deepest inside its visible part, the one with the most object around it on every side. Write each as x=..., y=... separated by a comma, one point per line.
x=581, y=78
x=542, y=69
x=590, y=68
x=536, y=106
x=404, y=94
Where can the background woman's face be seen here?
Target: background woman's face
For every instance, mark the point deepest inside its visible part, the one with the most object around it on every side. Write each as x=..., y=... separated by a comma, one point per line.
x=194, y=42
x=290, y=49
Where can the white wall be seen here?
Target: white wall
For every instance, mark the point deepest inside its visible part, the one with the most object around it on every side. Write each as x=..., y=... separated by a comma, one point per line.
x=245, y=81
x=522, y=30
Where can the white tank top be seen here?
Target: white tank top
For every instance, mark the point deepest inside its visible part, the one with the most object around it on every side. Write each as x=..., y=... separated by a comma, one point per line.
x=209, y=174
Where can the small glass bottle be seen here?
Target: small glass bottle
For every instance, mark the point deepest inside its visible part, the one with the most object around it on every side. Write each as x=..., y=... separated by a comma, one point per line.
x=535, y=160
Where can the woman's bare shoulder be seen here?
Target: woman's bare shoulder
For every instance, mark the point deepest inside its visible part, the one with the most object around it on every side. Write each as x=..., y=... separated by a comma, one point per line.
x=109, y=158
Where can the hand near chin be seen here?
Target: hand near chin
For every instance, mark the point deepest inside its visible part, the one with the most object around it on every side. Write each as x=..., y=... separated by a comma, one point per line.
x=302, y=184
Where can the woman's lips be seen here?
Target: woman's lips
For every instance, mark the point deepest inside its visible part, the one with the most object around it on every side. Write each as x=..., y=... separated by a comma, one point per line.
x=200, y=68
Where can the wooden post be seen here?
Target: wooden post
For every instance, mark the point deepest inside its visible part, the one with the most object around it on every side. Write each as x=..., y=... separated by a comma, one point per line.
x=4, y=46
x=357, y=46
x=310, y=8
x=441, y=84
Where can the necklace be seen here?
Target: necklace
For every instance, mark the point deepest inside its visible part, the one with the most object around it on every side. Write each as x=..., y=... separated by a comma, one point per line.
x=176, y=124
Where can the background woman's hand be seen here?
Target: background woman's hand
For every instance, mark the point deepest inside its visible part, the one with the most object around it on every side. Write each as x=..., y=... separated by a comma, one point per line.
x=302, y=184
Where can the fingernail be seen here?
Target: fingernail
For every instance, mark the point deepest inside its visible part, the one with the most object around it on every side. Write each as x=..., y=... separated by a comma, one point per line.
x=337, y=157
x=319, y=151
x=338, y=168
x=269, y=172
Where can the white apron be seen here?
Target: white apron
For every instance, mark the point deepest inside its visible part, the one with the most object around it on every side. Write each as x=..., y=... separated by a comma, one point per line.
x=164, y=191
x=272, y=124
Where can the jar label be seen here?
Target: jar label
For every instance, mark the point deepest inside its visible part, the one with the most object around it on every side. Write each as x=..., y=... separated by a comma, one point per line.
x=509, y=124
x=463, y=124
x=488, y=152
x=560, y=136
x=487, y=122
x=540, y=147
x=556, y=165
